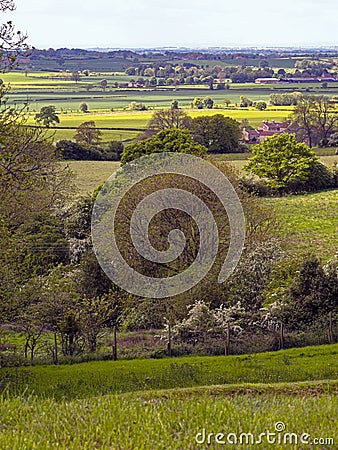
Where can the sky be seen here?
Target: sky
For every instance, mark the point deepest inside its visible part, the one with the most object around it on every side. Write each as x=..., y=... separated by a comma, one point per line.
x=176, y=23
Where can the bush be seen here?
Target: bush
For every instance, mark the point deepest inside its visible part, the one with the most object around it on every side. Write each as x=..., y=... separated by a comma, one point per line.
x=133, y=106
x=257, y=187
x=112, y=151
x=70, y=150
x=320, y=178
x=79, y=152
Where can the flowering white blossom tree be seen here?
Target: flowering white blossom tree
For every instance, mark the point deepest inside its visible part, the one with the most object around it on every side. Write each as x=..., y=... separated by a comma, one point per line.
x=229, y=320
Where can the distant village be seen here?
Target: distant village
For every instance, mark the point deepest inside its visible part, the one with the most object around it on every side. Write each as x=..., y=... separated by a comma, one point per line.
x=267, y=129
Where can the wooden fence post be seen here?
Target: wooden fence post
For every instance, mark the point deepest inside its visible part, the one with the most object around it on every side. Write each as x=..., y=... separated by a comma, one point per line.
x=281, y=336
x=115, y=345
x=169, y=341
x=330, y=329
x=56, y=353
x=227, y=342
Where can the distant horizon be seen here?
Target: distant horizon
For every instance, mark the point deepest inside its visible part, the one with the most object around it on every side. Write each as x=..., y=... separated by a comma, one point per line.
x=135, y=24
x=199, y=48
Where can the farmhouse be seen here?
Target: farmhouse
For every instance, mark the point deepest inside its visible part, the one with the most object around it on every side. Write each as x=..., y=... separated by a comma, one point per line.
x=267, y=129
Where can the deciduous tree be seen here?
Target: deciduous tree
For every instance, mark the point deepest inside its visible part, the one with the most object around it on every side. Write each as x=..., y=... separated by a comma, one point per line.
x=316, y=117
x=87, y=133
x=281, y=159
x=166, y=119
x=173, y=140
x=217, y=133
x=47, y=116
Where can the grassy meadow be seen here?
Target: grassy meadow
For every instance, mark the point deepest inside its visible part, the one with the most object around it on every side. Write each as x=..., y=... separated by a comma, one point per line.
x=309, y=223
x=95, y=378
x=162, y=404
x=169, y=419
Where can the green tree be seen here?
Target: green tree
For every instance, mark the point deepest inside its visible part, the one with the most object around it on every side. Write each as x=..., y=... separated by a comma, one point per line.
x=76, y=76
x=217, y=133
x=113, y=151
x=174, y=104
x=197, y=103
x=208, y=103
x=41, y=245
x=246, y=124
x=245, y=102
x=96, y=315
x=87, y=133
x=264, y=63
x=281, y=73
x=84, y=107
x=47, y=116
x=281, y=159
x=174, y=140
x=104, y=84
x=261, y=106
x=312, y=293
x=134, y=106
x=130, y=71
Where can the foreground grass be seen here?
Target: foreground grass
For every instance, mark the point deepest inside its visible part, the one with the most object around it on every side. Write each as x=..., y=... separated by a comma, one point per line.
x=171, y=419
x=106, y=377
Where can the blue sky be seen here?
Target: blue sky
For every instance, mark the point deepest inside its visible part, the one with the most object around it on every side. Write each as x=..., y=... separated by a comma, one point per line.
x=192, y=23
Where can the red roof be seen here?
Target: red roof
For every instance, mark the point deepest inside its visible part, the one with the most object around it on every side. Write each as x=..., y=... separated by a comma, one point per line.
x=253, y=132
x=268, y=133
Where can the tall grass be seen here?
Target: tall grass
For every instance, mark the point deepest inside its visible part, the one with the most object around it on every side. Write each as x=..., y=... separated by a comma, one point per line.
x=106, y=377
x=165, y=420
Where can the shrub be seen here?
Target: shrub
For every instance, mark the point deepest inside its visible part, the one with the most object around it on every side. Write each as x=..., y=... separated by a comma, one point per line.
x=72, y=150
x=320, y=178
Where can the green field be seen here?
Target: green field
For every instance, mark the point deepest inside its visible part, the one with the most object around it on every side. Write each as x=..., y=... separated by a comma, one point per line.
x=309, y=223
x=140, y=119
x=45, y=88
x=162, y=404
x=109, y=108
x=90, y=174
x=106, y=377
